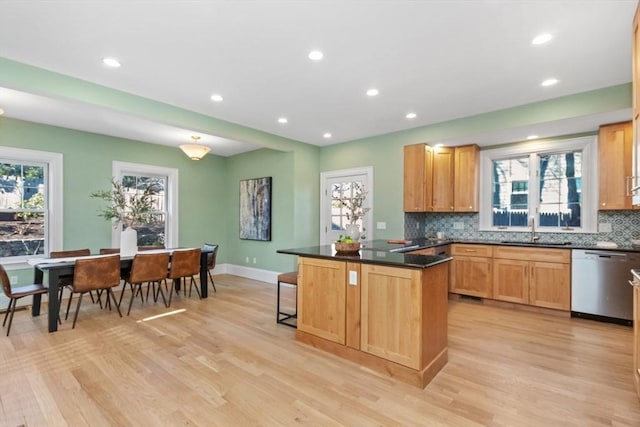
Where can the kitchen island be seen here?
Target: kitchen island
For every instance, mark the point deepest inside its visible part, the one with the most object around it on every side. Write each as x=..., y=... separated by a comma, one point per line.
x=381, y=309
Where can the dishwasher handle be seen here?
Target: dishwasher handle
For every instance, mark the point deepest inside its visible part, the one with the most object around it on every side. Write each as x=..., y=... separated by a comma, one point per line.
x=603, y=254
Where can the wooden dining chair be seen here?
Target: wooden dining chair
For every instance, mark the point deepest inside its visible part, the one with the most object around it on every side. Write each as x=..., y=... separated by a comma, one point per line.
x=14, y=294
x=66, y=281
x=150, y=247
x=211, y=261
x=93, y=274
x=150, y=269
x=185, y=264
x=109, y=251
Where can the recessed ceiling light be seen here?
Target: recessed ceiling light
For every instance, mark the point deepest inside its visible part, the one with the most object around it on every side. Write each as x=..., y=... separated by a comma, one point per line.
x=282, y=120
x=411, y=115
x=532, y=137
x=327, y=135
x=372, y=92
x=316, y=55
x=111, y=62
x=541, y=38
x=216, y=98
x=549, y=82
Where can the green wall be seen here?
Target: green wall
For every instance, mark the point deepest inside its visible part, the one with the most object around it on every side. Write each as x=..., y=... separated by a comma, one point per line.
x=208, y=189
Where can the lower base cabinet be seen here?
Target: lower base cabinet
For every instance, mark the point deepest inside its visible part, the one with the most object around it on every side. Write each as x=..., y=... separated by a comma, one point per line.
x=636, y=334
x=470, y=270
x=536, y=276
x=391, y=319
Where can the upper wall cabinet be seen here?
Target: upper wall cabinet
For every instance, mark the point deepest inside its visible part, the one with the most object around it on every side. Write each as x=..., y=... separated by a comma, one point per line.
x=443, y=179
x=466, y=178
x=635, y=77
x=615, y=144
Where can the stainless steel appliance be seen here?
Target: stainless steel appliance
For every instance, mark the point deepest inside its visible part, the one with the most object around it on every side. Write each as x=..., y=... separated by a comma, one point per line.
x=600, y=284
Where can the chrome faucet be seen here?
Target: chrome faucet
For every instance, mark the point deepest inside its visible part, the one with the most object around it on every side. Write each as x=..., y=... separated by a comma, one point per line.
x=532, y=224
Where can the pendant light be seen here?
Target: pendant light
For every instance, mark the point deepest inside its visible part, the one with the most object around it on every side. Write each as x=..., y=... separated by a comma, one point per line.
x=195, y=151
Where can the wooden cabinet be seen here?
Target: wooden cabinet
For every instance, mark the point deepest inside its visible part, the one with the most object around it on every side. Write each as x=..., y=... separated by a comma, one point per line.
x=441, y=179
x=615, y=144
x=391, y=319
x=466, y=178
x=415, y=178
x=434, y=175
x=635, y=78
x=470, y=270
x=391, y=307
x=535, y=276
x=322, y=299
x=636, y=334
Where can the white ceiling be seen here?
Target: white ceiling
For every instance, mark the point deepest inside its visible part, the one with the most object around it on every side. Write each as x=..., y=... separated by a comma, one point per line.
x=439, y=59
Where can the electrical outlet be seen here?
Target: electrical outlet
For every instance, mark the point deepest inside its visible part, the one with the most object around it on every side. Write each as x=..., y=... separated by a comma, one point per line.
x=458, y=225
x=246, y=260
x=13, y=280
x=254, y=260
x=381, y=225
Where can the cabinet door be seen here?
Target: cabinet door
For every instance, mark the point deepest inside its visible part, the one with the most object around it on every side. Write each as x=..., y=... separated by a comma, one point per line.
x=635, y=77
x=549, y=285
x=391, y=313
x=322, y=298
x=465, y=192
x=615, y=161
x=442, y=179
x=511, y=280
x=471, y=276
x=415, y=179
x=636, y=335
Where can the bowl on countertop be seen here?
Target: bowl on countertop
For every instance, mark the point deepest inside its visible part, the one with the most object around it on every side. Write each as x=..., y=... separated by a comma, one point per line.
x=347, y=247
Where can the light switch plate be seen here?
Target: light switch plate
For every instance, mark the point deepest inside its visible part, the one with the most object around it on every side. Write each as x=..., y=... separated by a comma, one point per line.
x=353, y=278
x=381, y=225
x=604, y=227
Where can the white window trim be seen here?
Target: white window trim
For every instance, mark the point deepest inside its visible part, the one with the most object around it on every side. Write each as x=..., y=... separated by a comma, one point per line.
x=324, y=176
x=589, y=147
x=54, y=215
x=121, y=168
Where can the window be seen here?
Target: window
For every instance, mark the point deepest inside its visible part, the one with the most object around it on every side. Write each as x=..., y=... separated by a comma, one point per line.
x=135, y=177
x=543, y=180
x=30, y=203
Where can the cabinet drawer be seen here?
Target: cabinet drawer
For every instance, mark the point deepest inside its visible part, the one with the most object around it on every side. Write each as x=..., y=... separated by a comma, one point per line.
x=533, y=254
x=471, y=250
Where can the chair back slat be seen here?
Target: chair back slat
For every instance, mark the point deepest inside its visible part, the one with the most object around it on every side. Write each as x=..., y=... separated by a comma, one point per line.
x=6, y=283
x=185, y=263
x=70, y=253
x=211, y=258
x=108, y=251
x=96, y=273
x=149, y=267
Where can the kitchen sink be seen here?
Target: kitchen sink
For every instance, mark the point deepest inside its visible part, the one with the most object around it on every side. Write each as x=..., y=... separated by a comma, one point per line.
x=537, y=242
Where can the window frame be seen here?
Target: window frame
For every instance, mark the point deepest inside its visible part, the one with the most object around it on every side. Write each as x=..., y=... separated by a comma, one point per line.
x=589, y=147
x=171, y=197
x=53, y=224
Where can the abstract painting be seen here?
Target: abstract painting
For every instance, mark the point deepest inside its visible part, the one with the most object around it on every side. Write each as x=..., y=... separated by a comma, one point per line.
x=255, y=209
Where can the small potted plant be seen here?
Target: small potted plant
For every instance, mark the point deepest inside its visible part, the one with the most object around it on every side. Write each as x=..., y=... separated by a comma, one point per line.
x=128, y=209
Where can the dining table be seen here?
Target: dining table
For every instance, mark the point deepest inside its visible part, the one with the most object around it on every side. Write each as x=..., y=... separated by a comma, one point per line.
x=56, y=267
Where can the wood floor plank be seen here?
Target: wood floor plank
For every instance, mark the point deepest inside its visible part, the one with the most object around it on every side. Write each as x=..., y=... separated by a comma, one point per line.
x=224, y=361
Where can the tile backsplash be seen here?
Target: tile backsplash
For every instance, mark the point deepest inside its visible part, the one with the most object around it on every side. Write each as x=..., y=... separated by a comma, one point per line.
x=625, y=225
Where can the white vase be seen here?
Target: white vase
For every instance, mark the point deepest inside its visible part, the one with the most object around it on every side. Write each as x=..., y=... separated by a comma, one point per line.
x=128, y=242
x=353, y=231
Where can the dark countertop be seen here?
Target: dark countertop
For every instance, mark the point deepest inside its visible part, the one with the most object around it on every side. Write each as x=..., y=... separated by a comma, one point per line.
x=383, y=253
x=372, y=252
x=427, y=243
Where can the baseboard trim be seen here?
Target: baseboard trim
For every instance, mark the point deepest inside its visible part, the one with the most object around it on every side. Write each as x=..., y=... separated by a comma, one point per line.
x=247, y=272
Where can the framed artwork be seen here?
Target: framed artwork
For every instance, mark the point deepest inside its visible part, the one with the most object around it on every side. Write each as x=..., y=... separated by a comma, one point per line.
x=255, y=209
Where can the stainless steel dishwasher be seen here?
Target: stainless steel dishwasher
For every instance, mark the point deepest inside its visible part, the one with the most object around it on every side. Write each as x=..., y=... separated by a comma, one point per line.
x=600, y=284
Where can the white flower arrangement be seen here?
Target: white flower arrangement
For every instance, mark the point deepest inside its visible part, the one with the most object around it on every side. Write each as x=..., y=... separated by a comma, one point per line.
x=354, y=205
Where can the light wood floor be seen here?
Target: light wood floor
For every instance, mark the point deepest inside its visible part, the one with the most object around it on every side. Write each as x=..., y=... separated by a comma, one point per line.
x=225, y=362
